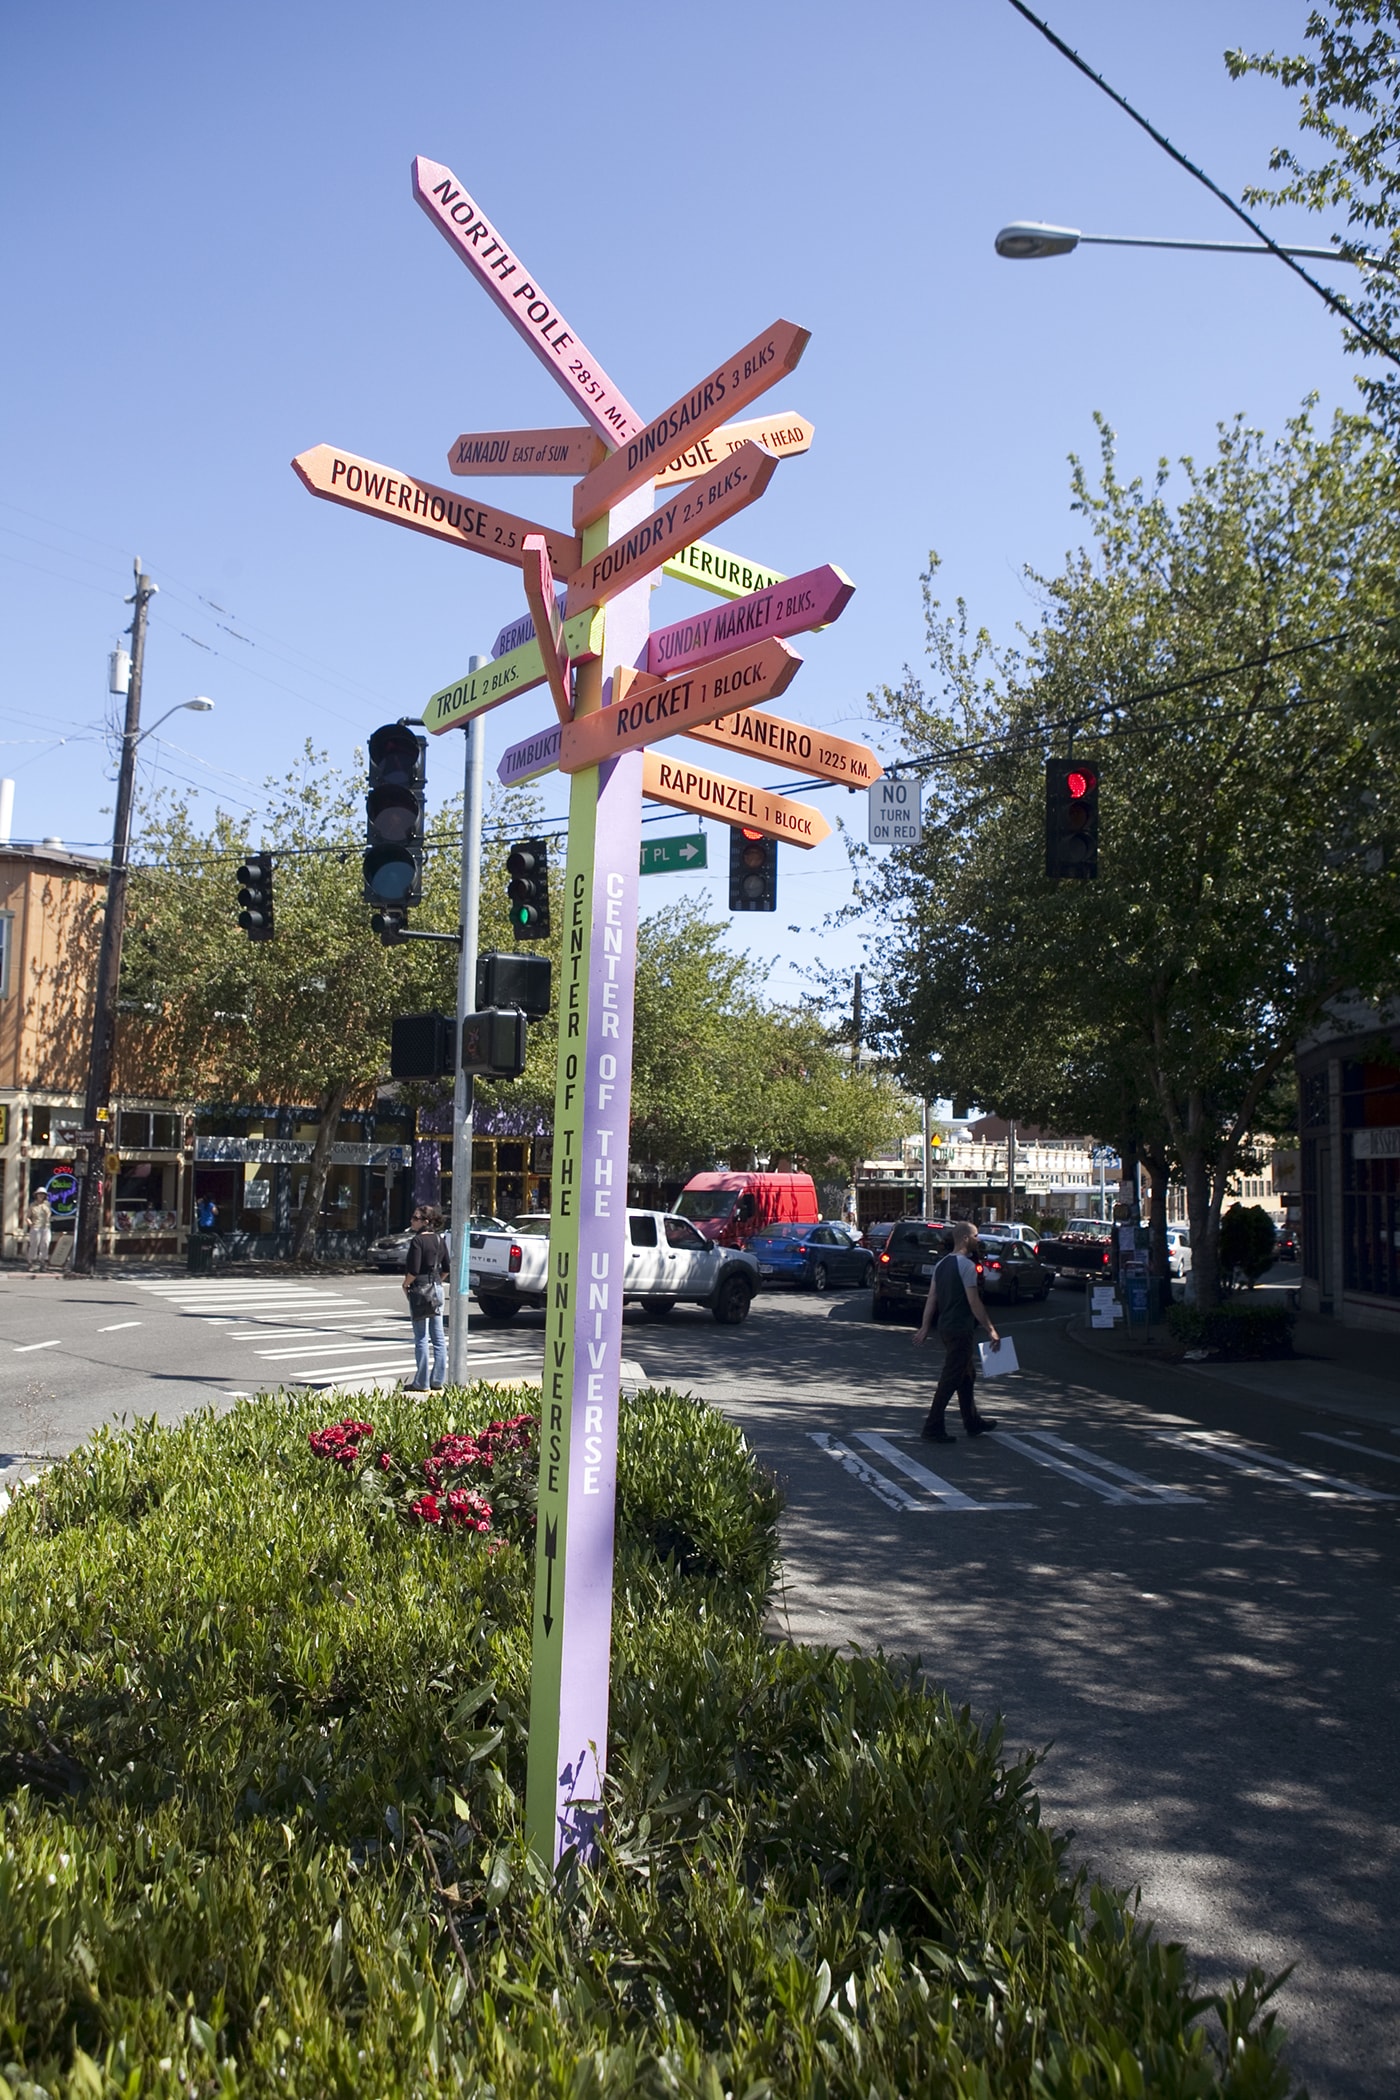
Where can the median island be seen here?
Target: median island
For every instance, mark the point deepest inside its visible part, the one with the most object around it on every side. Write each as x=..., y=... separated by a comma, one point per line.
x=264, y=1682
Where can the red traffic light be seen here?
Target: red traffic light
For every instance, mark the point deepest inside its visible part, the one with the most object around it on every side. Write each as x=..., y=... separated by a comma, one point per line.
x=1080, y=784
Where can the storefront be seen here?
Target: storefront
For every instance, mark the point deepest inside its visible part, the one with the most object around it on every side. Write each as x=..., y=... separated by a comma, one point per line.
x=1349, y=1109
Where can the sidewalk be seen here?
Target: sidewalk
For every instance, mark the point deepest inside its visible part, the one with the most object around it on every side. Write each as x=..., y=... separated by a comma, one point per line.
x=1336, y=1371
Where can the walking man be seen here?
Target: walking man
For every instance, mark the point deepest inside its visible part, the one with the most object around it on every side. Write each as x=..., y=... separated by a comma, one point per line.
x=956, y=1303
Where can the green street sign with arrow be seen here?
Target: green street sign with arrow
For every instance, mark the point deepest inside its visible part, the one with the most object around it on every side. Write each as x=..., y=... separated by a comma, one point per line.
x=674, y=855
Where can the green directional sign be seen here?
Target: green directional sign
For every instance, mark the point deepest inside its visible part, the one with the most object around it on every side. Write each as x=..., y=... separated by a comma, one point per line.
x=673, y=856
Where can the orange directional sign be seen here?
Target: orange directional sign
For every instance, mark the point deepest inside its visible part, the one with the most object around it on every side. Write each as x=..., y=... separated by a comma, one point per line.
x=549, y=627
x=792, y=744
x=689, y=513
x=645, y=710
x=780, y=435
x=444, y=514
x=533, y=452
x=733, y=801
x=739, y=380
x=500, y=272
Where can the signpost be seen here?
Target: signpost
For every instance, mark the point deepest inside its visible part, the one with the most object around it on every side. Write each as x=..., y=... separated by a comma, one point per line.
x=739, y=380
x=645, y=710
x=896, y=813
x=683, y=852
x=795, y=606
x=527, y=452
x=685, y=786
x=727, y=575
x=803, y=750
x=782, y=435
x=444, y=514
x=703, y=673
x=625, y=561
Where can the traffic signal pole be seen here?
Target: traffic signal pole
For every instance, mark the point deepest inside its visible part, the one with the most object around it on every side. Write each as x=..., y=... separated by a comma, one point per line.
x=470, y=902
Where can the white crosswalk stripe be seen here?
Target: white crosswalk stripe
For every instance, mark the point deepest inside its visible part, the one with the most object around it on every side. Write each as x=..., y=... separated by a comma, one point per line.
x=1114, y=1483
x=1229, y=1451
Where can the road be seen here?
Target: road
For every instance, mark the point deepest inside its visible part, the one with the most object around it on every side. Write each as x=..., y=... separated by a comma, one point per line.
x=1183, y=1593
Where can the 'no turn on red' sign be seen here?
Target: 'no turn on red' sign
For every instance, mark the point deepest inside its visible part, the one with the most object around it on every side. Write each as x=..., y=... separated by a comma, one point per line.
x=896, y=813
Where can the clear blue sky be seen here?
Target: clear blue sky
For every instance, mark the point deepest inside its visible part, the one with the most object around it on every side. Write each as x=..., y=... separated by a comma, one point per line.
x=212, y=261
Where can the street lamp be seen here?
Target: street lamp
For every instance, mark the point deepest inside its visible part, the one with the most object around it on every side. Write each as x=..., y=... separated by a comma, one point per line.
x=1029, y=240
x=109, y=962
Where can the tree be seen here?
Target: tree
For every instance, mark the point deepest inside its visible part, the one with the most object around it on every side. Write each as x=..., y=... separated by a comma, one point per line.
x=1247, y=1239
x=1249, y=768
x=1350, y=84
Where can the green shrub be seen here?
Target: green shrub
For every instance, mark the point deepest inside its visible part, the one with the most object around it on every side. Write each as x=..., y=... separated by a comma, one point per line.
x=1247, y=1239
x=261, y=1751
x=1235, y=1331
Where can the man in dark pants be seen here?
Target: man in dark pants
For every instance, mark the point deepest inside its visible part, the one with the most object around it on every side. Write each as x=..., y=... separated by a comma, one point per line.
x=956, y=1303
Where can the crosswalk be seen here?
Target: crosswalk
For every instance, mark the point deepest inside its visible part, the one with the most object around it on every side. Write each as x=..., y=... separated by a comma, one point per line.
x=317, y=1334
x=879, y=1460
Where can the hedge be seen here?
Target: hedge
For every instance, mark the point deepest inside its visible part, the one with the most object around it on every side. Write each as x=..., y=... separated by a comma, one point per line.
x=1234, y=1330
x=262, y=1743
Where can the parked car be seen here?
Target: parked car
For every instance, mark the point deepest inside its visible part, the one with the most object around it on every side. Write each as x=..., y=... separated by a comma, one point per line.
x=1027, y=1234
x=391, y=1252
x=667, y=1262
x=1009, y=1269
x=729, y=1209
x=875, y=1236
x=814, y=1256
x=1286, y=1245
x=1178, y=1251
x=904, y=1265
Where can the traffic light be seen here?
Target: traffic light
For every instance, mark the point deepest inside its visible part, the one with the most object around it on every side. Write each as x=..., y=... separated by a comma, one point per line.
x=753, y=871
x=493, y=1044
x=389, y=925
x=514, y=980
x=255, y=895
x=1071, y=821
x=395, y=807
x=527, y=865
x=420, y=1047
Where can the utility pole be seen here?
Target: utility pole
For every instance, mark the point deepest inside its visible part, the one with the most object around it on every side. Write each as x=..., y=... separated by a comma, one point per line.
x=1010, y=1172
x=470, y=903
x=856, y=1023
x=109, y=964
x=928, y=1167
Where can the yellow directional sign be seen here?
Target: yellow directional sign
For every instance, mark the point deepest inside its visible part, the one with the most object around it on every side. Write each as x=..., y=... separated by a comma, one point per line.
x=727, y=575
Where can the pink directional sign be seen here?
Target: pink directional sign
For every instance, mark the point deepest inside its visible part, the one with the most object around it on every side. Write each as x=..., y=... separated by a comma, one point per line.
x=690, y=513
x=532, y=755
x=549, y=626
x=444, y=514
x=794, y=606
x=500, y=273
x=527, y=452
x=739, y=380
x=645, y=710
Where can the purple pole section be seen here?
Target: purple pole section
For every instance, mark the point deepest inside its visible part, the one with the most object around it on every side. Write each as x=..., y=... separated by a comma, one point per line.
x=602, y=1251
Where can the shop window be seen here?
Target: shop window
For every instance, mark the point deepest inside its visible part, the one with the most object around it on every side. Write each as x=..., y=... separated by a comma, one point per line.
x=165, y=1133
x=134, y=1130
x=142, y=1202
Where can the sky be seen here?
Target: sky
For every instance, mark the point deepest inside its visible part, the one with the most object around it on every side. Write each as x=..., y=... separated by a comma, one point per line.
x=214, y=261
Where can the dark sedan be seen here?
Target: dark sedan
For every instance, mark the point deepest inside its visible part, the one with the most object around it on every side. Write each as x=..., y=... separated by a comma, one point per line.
x=815, y=1256
x=1010, y=1269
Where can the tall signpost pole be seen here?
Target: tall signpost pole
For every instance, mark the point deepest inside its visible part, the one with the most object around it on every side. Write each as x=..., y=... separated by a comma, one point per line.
x=469, y=897
x=614, y=697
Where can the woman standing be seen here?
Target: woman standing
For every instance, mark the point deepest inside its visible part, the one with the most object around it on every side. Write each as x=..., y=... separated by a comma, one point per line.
x=423, y=1273
x=39, y=1221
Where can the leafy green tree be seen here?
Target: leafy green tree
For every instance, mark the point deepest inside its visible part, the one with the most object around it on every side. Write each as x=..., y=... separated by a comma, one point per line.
x=1350, y=103
x=1246, y=1241
x=1249, y=768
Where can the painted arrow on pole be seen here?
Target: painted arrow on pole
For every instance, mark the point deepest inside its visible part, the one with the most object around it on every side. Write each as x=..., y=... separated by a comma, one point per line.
x=727, y=575
x=549, y=625
x=732, y=487
x=454, y=706
x=529, y=452
x=782, y=435
x=792, y=744
x=645, y=710
x=444, y=514
x=500, y=273
x=813, y=599
x=681, y=786
x=739, y=380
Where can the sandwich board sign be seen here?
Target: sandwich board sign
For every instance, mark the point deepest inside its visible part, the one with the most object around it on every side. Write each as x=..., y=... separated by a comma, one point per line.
x=593, y=651
x=896, y=812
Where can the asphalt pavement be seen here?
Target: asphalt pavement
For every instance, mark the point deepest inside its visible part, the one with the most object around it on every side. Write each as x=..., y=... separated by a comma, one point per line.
x=1178, y=1587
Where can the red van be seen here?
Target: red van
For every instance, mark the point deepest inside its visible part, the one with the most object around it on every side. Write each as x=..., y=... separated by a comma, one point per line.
x=731, y=1208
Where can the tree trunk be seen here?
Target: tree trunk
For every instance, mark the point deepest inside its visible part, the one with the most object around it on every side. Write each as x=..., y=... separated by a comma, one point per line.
x=1158, y=1260
x=304, y=1232
x=1205, y=1243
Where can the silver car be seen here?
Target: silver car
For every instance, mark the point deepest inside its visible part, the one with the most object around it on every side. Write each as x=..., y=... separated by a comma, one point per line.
x=391, y=1252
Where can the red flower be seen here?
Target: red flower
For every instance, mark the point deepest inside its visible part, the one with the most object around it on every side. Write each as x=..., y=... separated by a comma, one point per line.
x=340, y=1442
x=426, y=1510
x=385, y=1461
x=469, y=1510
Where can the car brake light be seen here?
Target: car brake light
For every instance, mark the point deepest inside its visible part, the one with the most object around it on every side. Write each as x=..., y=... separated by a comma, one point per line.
x=515, y=1258
x=885, y=1260
x=993, y=1265
x=1104, y=1259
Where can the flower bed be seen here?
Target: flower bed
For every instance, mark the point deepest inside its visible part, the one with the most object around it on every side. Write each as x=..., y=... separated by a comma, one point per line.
x=262, y=1740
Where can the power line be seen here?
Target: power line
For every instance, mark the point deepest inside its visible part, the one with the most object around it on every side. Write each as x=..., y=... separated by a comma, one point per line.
x=1332, y=299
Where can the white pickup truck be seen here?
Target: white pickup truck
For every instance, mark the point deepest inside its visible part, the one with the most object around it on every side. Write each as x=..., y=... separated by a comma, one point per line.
x=668, y=1263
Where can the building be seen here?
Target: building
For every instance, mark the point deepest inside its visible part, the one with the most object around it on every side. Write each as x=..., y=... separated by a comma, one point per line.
x=1053, y=1175
x=1348, y=1188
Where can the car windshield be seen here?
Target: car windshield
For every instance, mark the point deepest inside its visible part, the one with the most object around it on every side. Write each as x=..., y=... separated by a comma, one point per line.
x=786, y=1231
x=707, y=1203
x=532, y=1227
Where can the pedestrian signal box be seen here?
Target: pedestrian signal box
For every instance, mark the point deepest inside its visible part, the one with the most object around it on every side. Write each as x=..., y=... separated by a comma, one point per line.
x=1071, y=820
x=420, y=1047
x=493, y=1044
